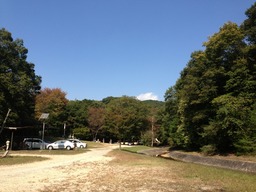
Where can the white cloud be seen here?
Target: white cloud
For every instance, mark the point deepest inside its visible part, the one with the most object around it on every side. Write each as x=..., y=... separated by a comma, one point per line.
x=147, y=96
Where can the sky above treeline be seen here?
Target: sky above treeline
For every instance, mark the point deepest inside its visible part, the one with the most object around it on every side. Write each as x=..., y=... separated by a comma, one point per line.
x=93, y=49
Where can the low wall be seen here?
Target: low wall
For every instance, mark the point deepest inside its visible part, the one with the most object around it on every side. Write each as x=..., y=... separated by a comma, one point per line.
x=211, y=161
x=224, y=163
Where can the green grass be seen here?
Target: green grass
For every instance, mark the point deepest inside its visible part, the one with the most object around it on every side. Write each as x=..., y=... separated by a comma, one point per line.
x=92, y=144
x=135, y=148
x=50, y=152
x=14, y=160
x=230, y=180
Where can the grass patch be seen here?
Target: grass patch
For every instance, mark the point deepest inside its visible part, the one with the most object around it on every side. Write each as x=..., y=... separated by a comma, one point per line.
x=92, y=144
x=14, y=160
x=181, y=176
x=135, y=149
x=49, y=152
x=230, y=180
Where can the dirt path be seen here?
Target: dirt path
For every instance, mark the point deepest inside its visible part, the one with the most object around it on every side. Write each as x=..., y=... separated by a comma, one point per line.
x=59, y=173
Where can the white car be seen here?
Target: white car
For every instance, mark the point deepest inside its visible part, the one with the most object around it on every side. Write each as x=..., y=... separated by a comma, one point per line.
x=78, y=143
x=61, y=144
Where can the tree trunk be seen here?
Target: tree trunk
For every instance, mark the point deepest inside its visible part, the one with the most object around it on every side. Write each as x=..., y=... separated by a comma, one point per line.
x=119, y=144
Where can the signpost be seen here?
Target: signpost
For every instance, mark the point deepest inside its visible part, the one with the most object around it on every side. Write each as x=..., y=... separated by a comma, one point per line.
x=43, y=117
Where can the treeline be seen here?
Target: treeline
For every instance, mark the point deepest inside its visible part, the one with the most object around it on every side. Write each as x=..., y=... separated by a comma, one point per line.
x=112, y=119
x=212, y=106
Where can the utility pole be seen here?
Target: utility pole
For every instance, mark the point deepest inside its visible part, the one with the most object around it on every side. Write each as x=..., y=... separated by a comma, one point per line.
x=152, y=130
x=64, y=134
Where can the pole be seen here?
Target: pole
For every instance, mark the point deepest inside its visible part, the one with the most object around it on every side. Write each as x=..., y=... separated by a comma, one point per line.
x=9, y=110
x=43, y=135
x=43, y=117
x=11, y=141
x=152, y=130
x=64, y=129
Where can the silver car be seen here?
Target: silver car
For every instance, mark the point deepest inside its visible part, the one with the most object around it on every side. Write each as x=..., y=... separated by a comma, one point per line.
x=61, y=144
x=78, y=143
x=34, y=143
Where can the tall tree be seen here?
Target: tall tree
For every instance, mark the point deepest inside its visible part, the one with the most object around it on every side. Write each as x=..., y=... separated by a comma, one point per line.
x=52, y=101
x=126, y=118
x=194, y=90
x=154, y=118
x=96, y=120
x=216, y=91
x=224, y=52
x=249, y=27
x=76, y=112
x=168, y=131
x=18, y=82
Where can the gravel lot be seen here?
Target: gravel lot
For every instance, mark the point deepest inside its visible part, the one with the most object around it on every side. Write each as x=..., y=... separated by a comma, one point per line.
x=59, y=173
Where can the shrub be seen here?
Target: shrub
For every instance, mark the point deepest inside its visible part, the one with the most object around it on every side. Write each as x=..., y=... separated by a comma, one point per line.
x=82, y=133
x=208, y=149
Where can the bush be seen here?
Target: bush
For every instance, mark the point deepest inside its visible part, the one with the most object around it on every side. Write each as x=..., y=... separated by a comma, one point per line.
x=245, y=146
x=208, y=150
x=82, y=133
x=147, y=138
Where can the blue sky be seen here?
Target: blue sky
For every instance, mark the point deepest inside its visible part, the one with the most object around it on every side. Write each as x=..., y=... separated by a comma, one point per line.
x=93, y=49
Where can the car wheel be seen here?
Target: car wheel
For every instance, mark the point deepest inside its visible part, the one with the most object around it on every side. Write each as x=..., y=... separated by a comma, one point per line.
x=27, y=147
x=50, y=148
x=81, y=146
x=68, y=147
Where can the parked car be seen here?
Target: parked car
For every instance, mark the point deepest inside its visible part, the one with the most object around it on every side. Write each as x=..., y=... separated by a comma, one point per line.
x=34, y=143
x=61, y=144
x=78, y=143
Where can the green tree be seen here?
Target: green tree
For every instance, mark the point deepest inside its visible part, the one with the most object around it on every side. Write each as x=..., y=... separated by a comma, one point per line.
x=194, y=90
x=81, y=133
x=224, y=52
x=230, y=124
x=249, y=27
x=18, y=82
x=169, y=133
x=209, y=75
x=96, y=120
x=154, y=118
x=126, y=118
x=77, y=114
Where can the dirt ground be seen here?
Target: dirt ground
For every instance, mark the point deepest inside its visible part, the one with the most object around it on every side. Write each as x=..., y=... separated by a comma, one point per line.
x=68, y=173
x=102, y=169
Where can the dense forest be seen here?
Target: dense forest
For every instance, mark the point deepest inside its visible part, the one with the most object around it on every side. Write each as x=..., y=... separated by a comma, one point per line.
x=211, y=108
